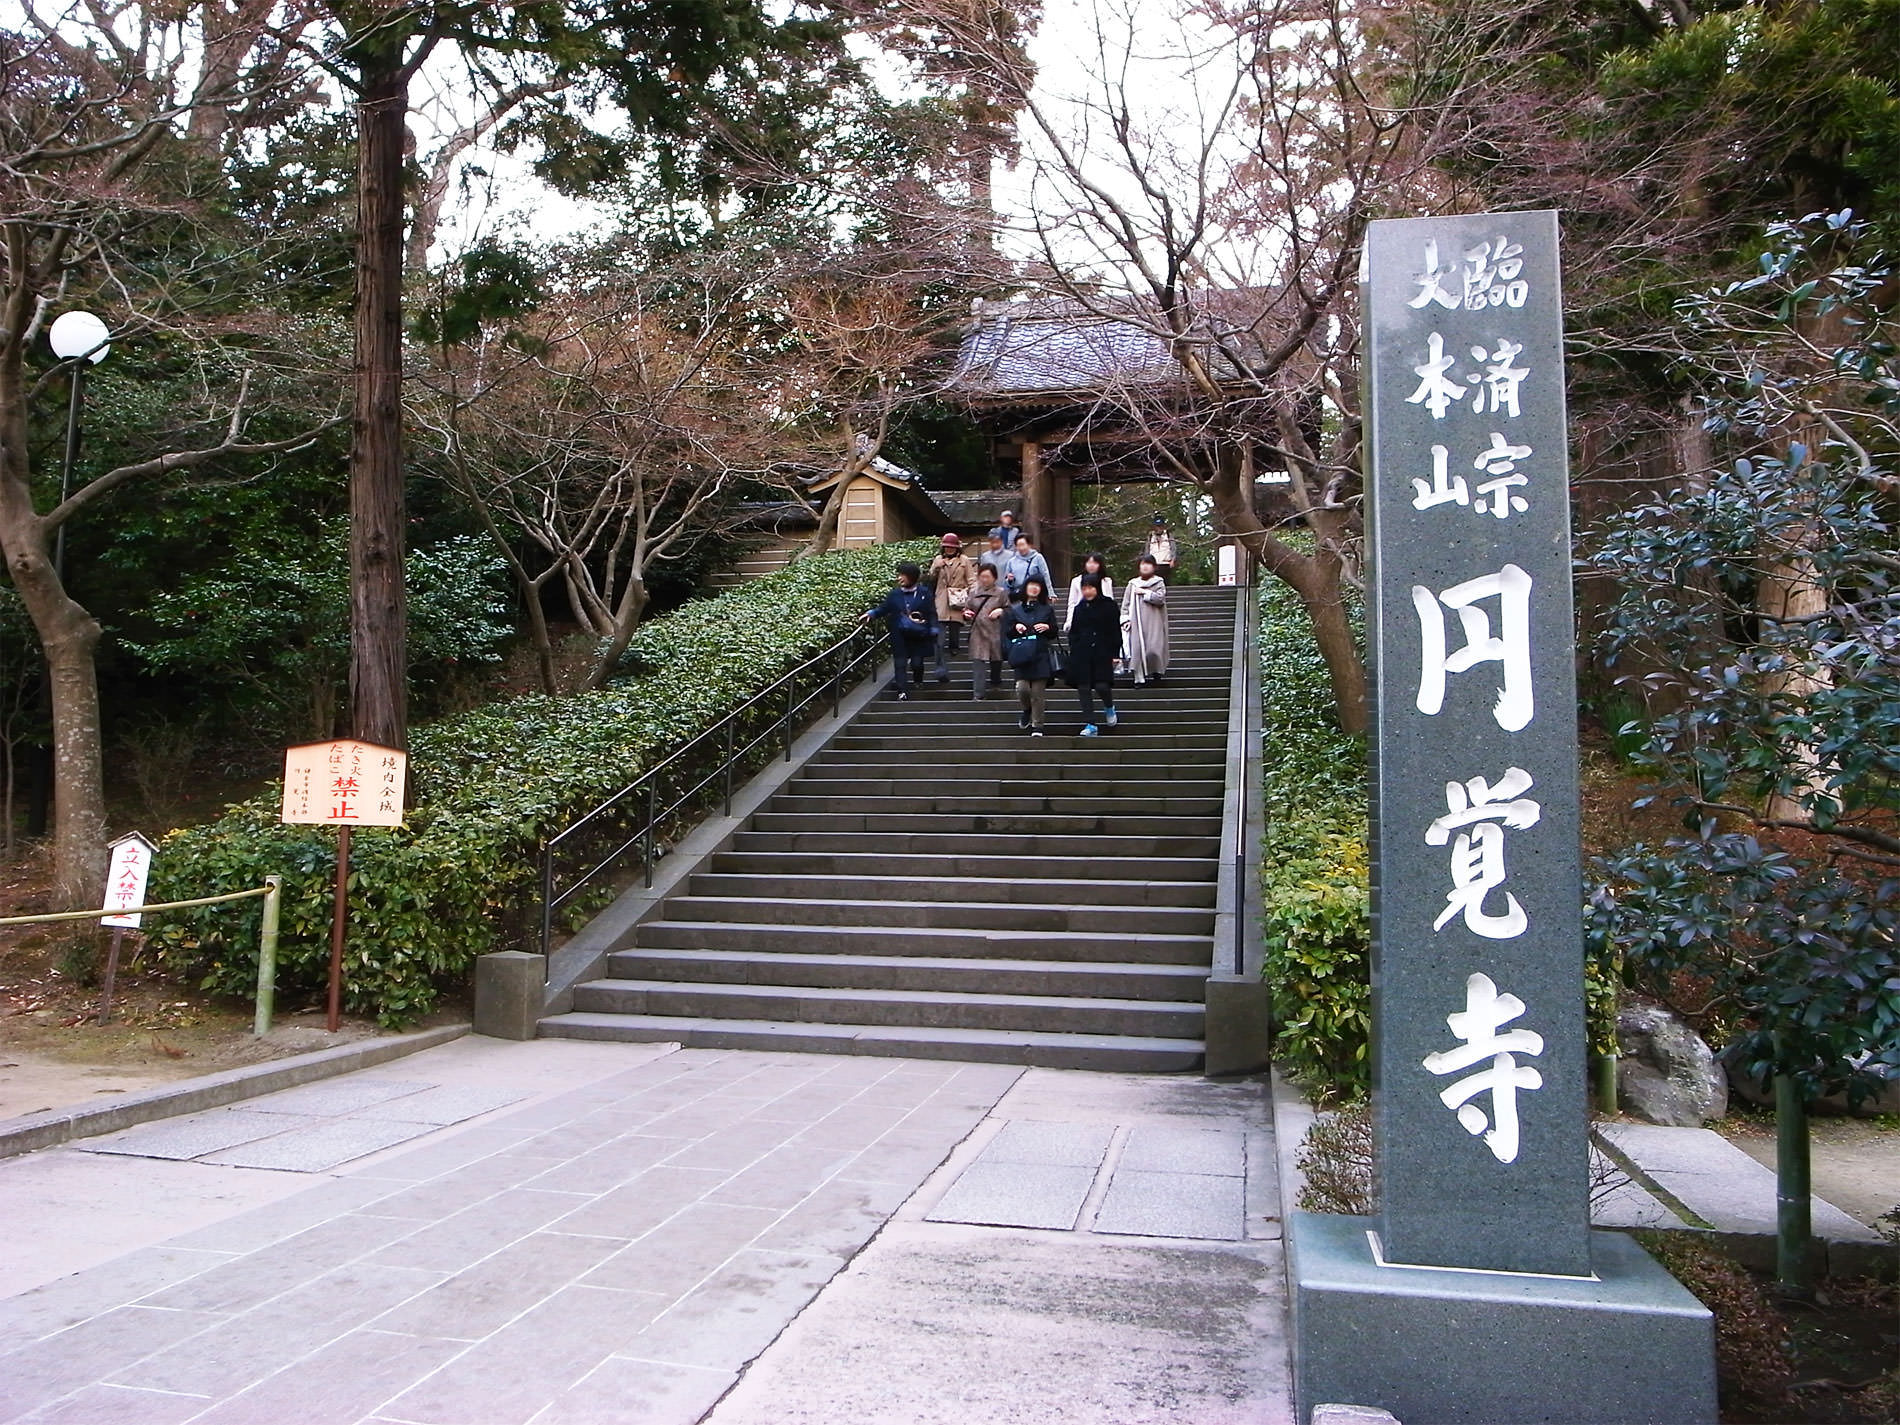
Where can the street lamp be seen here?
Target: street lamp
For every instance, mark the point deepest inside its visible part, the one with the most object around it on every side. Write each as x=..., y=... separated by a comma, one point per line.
x=74, y=335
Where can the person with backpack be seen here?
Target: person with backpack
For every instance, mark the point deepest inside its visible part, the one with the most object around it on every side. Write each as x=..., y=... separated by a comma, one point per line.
x=910, y=612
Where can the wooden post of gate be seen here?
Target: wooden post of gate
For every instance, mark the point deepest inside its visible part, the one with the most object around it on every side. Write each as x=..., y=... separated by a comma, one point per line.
x=344, y=784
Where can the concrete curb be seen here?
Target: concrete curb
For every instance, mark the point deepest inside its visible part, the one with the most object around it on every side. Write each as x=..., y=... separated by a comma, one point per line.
x=61, y=1125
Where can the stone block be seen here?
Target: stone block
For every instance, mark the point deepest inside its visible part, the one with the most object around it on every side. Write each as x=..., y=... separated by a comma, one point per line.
x=510, y=994
x=1335, y=1414
x=1626, y=1346
x=1238, y=1029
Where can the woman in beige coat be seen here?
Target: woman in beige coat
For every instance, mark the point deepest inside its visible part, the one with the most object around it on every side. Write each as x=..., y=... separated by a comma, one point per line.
x=951, y=574
x=984, y=614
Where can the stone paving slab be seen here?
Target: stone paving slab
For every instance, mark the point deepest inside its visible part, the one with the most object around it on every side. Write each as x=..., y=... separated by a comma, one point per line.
x=663, y=1223
x=1016, y=1195
x=1197, y=1205
x=949, y=1323
x=334, y=1096
x=197, y=1135
x=1718, y=1181
x=320, y=1146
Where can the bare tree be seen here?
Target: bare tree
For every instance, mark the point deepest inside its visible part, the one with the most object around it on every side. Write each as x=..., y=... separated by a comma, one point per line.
x=605, y=437
x=85, y=119
x=1225, y=229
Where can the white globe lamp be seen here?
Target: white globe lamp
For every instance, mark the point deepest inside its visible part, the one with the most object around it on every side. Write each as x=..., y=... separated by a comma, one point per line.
x=79, y=334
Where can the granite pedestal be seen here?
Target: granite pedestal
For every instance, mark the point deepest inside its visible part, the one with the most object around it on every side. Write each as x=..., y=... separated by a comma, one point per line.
x=1440, y=1346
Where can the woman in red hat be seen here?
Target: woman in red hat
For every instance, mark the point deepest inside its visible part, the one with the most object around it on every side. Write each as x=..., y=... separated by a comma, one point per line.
x=951, y=574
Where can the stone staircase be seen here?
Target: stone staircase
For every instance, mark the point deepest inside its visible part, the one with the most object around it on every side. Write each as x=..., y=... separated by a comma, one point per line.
x=935, y=883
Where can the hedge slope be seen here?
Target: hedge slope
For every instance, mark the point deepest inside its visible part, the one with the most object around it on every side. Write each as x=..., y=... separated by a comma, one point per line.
x=426, y=898
x=1314, y=875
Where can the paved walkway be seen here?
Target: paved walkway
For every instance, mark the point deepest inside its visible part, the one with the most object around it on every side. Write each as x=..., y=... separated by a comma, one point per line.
x=568, y=1232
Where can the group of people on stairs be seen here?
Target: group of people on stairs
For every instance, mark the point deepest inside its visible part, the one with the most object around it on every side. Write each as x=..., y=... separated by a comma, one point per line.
x=1003, y=600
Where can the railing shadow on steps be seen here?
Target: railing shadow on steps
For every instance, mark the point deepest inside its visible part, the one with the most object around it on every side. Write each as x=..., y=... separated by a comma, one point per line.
x=590, y=858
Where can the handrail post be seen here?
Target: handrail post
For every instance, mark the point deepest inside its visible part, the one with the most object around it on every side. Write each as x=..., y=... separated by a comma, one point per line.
x=267, y=956
x=785, y=718
x=730, y=717
x=646, y=840
x=547, y=899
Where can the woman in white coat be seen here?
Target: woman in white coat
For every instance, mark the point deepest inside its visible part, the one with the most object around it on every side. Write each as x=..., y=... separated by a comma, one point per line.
x=1145, y=625
x=1097, y=566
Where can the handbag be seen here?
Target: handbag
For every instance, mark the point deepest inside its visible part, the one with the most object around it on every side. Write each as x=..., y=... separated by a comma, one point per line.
x=957, y=598
x=1058, y=658
x=1024, y=652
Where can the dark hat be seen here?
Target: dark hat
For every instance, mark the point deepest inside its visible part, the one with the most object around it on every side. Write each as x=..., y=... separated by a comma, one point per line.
x=1160, y=519
x=952, y=541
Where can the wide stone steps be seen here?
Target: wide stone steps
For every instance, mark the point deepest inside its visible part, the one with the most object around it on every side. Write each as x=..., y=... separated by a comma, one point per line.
x=1125, y=1053
x=1032, y=822
x=977, y=914
x=1033, y=846
x=935, y=883
x=1132, y=874
x=936, y=973
x=936, y=1009
x=949, y=886
x=944, y=941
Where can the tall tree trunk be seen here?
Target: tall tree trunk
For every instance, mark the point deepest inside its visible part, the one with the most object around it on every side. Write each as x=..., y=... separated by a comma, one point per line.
x=67, y=635
x=379, y=690
x=1316, y=578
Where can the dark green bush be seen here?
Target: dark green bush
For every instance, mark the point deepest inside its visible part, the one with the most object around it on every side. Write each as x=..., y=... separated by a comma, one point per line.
x=459, y=878
x=1314, y=870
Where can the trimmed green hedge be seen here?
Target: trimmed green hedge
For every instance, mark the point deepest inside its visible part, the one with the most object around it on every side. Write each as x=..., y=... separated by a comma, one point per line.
x=1314, y=871
x=460, y=876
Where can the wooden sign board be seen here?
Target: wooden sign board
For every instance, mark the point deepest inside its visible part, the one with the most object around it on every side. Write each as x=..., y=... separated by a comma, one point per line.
x=344, y=783
x=125, y=880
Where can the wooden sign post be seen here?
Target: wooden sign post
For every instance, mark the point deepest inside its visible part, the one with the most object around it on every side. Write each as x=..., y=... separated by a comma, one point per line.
x=343, y=784
x=125, y=887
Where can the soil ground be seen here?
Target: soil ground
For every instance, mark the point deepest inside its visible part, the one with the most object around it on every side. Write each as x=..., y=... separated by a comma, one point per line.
x=1855, y=1161
x=54, y=1053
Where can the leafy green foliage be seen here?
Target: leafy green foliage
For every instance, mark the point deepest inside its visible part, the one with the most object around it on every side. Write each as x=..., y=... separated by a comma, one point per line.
x=458, y=879
x=274, y=625
x=1804, y=954
x=1761, y=608
x=1315, y=888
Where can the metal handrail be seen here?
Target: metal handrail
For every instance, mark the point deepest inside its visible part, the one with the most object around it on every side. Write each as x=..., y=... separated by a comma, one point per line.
x=1249, y=761
x=833, y=666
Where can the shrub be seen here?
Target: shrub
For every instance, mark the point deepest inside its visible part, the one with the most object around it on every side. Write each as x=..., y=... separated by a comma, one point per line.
x=1315, y=892
x=458, y=878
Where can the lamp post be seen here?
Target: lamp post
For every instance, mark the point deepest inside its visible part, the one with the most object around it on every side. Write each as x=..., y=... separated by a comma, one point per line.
x=74, y=335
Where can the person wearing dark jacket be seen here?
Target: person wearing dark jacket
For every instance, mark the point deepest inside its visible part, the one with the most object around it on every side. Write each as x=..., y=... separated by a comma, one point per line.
x=1095, y=642
x=1029, y=632
x=910, y=612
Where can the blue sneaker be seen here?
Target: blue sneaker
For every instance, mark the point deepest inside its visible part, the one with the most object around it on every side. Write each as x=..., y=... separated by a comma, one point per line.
x=1112, y=719
x=1089, y=729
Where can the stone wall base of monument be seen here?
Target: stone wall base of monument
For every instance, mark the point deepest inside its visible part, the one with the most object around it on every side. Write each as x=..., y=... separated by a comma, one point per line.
x=1450, y=1347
